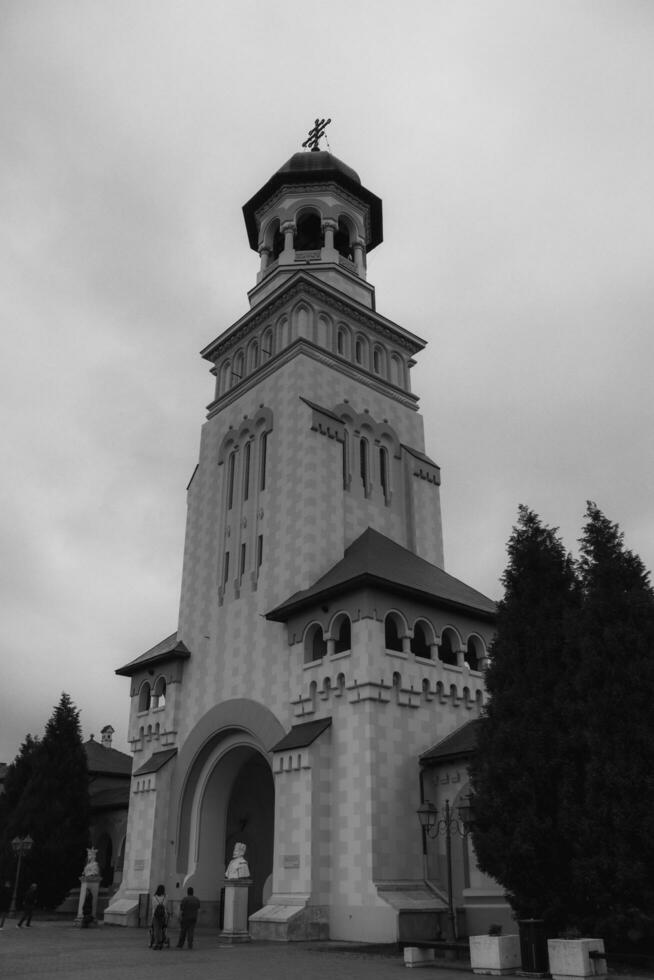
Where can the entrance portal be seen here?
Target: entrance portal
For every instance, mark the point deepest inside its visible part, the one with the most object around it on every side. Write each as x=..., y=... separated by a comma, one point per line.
x=250, y=819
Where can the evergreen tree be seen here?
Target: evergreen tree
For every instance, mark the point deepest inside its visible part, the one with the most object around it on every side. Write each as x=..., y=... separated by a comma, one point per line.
x=17, y=777
x=54, y=807
x=523, y=774
x=613, y=858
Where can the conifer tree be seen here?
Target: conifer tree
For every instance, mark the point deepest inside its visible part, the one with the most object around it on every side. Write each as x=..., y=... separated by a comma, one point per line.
x=613, y=859
x=17, y=777
x=54, y=807
x=522, y=773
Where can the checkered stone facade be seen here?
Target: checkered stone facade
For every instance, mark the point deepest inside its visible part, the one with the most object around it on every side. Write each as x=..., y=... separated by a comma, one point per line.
x=313, y=437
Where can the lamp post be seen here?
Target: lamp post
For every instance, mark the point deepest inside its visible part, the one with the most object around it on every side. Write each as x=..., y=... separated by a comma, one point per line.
x=20, y=845
x=432, y=826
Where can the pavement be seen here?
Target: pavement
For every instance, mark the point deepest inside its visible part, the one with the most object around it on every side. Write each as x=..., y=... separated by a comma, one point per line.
x=59, y=949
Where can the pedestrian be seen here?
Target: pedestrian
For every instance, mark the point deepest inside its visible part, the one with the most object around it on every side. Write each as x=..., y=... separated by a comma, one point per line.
x=29, y=901
x=5, y=902
x=188, y=916
x=159, y=918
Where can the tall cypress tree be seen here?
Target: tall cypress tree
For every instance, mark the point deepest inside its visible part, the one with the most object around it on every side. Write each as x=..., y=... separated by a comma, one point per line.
x=522, y=774
x=613, y=860
x=54, y=807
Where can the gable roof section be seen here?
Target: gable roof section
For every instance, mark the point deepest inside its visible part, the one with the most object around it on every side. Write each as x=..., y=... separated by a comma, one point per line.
x=168, y=649
x=302, y=735
x=156, y=762
x=374, y=560
x=101, y=759
x=461, y=743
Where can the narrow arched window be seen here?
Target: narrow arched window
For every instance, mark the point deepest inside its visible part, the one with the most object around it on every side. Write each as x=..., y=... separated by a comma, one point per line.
x=277, y=242
x=363, y=462
x=159, y=696
x=383, y=470
x=358, y=351
x=237, y=368
x=376, y=360
x=241, y=570
x=259, y=550
x=392, y=639
x=346, y=460
x=342, y=240
x=246, y=471
x=254, y=356
x=262, y=460
x=315, y=646
x=344, y=638
x=474, y=653
x=226, y=569
x=266, y=345
x=308, y=235
x=231, y=469
x=340, y=342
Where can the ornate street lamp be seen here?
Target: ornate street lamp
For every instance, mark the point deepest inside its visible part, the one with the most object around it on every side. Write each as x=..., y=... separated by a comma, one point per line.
x=432, y=826
x=20, y=845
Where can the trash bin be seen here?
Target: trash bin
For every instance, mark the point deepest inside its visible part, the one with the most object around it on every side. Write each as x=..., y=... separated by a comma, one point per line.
x=533, y=946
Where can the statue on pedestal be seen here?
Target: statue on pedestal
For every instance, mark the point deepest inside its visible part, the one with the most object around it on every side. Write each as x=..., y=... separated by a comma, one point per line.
x=238, y=866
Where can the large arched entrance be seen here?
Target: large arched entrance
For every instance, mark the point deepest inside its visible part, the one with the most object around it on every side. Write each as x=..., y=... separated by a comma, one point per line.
x=233, y=800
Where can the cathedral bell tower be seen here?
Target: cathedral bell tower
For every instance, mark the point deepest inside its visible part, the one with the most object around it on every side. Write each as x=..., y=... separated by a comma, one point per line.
x=321, y=647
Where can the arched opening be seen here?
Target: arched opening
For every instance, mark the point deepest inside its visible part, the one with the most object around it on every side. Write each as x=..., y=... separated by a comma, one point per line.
x=276, y=240
x=308, y=234
x=159, y=695
x=474, y=653
x=315, y=645
x=447, y=648
x=250, y=821
x=342, y=242
x=145, y=697
x=344, y=636
x=392, y=639
x=419, y=644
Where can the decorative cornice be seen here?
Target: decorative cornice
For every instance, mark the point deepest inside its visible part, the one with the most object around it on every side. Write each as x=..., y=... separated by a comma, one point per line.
x=310, y=188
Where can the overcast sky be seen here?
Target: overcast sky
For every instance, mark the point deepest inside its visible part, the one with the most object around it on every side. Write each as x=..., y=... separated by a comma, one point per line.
x=512, y=146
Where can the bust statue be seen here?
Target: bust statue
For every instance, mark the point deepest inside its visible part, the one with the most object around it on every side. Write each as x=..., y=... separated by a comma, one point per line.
x=238, y=866
x=91, y=867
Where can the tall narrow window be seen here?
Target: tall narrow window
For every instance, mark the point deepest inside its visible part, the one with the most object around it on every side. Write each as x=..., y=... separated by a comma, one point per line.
x=346, y=460
x=231, y=467
x=383, y=470
x=226, y=569
x=237, y=368
x=376, y=360
x=363, y=462
x=340, y=344
x=241, y=570
x=262, y=463
x=246, y=471
x=358, y=351
x=259, y=550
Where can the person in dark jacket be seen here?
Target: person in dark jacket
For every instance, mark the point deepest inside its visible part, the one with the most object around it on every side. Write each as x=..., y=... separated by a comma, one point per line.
x=188, y=916
x=29, y=901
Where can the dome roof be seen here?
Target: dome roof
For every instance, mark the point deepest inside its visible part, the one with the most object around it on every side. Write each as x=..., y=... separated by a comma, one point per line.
x=315, y=166
x=317, y=161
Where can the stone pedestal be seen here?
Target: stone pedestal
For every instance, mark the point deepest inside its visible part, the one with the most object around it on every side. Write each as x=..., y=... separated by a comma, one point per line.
x=235, y=911
x=88, y=884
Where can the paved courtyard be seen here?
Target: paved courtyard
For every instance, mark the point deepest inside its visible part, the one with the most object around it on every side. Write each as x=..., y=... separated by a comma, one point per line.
x=55, y=949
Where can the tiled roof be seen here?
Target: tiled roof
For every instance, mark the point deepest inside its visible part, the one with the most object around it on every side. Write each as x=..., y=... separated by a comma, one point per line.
x=302, y=735
x=156, y=762
x=101, y=759
x=374, y=560
x=168, y=649
x=460, y=743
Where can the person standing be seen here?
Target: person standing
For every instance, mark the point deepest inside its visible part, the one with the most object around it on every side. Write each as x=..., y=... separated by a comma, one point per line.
x=188, y=916
x=5, y=902
x=159, y=918
x=29, y=901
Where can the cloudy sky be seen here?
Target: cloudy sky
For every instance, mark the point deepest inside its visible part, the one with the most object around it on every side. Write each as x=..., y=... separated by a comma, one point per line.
x=512, y=146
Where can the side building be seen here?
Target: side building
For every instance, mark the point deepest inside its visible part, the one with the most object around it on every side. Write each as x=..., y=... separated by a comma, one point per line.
x=321, y=647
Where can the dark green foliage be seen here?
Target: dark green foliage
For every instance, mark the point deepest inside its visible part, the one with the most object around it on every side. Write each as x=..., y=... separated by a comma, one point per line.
x=564, y=775
x=50, y=801
x=521, y=772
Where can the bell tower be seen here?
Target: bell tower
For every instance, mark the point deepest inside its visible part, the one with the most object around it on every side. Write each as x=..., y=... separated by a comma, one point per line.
x=321, y=647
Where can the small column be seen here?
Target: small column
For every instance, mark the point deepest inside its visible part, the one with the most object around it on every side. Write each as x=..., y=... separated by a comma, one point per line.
x=359, y=261
x=288, y=255
x=329, y=253
x=264, y=252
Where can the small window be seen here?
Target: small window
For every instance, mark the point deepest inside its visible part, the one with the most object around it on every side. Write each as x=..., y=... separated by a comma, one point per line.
x=340, y=342
x=259, y=550
x=346, y=460
x=237, y=368
x=241, y=571
x=358, y=351
x=392, y=639
x=226, y=569
x=266, y=345
x=376, y=360
x=159, y=697
x=254, y=356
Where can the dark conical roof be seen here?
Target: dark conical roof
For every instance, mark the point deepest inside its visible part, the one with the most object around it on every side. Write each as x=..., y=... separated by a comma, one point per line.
x=318, y=161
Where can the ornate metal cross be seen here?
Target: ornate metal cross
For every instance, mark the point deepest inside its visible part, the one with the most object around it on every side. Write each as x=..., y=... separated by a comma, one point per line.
x=315, y=134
